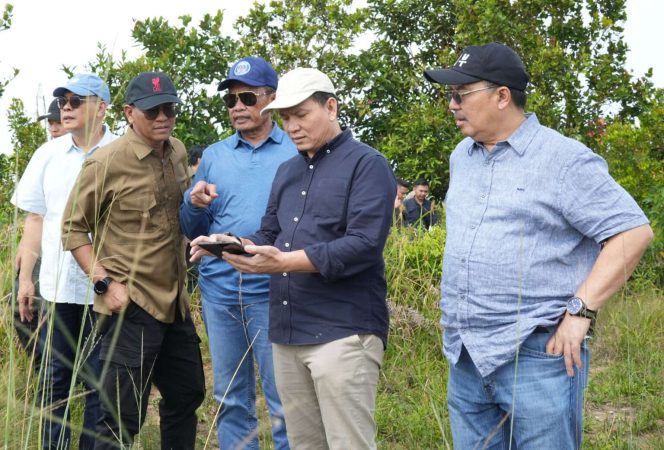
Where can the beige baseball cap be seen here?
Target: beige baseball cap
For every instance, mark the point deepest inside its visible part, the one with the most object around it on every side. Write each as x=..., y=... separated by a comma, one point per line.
x=298, y=85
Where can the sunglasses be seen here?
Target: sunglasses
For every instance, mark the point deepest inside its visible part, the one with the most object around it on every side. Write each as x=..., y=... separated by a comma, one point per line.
x=169, y=110
x=458, y=96
x=248, y=98
x=74, y=101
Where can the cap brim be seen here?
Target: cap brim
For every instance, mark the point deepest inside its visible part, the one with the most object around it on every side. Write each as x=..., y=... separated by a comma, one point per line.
x=449, y=76
x=78, y=90
x=45, y=116
x=156, y=100
x=288, y=101
x=248, y=81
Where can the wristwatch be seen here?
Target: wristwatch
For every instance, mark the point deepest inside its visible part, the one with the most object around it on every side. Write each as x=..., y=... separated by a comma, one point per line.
x=577, y=307
x=101, y=286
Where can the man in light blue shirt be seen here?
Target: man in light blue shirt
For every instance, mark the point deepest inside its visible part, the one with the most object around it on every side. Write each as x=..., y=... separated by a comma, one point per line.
x=229, y=194
x=527, y=213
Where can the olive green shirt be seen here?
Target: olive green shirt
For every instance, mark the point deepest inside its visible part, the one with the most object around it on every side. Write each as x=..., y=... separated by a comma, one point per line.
x=127, y=200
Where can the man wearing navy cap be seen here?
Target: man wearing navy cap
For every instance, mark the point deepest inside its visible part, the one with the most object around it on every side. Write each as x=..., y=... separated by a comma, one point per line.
x=67, y=337
x=527, y=213
x=128, y=199
x=55, y=128
x=230, y=194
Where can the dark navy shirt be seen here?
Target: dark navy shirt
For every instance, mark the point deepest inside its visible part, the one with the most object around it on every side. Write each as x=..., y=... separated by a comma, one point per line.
x=419, y=215
x=337, y=206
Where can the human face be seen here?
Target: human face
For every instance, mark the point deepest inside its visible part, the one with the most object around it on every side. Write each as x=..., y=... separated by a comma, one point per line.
x=84, y=118
x=153, y=132
x=401, y=192
x=474, y=115
x=420, y=193
x=55, y=129
x=248, y=119
x=311, y=125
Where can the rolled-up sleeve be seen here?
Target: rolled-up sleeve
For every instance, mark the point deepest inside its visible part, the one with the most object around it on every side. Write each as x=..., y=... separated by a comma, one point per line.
x=368, y=219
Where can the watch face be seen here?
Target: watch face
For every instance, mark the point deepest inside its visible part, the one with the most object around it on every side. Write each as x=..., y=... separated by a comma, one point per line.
x=574, y=305
x=100, y=286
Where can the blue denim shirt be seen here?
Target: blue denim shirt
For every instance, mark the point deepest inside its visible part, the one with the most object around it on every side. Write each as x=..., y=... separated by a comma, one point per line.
x=337, y=206
x=243, y=175
x=524, y=227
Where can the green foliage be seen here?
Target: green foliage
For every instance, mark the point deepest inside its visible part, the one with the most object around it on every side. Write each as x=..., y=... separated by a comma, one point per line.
x=5, y=24
x=27, y=136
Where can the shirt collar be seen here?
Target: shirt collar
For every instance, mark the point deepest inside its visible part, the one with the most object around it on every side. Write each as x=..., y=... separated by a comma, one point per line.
x=101, y=143
x=332, y=145
x=276, y=136
x=141, y=149
x=520, y=139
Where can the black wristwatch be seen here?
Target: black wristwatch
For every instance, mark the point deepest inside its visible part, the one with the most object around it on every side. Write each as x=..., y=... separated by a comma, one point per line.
x=577, y=307
x=101, y=286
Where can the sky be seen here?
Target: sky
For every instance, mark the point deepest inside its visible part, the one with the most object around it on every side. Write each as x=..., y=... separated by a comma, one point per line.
x=45, y=35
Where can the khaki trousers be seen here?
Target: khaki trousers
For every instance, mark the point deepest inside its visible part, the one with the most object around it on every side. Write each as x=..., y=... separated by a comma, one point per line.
x=328, y=392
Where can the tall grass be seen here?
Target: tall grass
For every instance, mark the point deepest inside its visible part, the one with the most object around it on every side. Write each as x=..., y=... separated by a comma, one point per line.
x=624, y=402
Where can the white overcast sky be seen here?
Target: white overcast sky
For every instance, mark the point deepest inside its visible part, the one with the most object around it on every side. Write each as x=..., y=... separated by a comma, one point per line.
x=48, y=34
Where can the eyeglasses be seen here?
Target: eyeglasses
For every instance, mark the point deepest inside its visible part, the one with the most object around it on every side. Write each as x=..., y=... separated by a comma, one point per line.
x=74, y=101
x=169, y=110
x=458, y=96
x=248, y=98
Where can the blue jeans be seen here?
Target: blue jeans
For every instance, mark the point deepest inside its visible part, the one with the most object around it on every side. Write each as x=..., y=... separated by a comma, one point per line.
x=65, y=358
x=542, y=408
x=231, y=330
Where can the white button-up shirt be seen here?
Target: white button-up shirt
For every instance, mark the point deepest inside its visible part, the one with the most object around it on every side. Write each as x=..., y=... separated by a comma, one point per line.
x=44, y=189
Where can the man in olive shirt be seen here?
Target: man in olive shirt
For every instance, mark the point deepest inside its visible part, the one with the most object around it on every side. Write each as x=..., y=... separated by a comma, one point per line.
x=128, y=196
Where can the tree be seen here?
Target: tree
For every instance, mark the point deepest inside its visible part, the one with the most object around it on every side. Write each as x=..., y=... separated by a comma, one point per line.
x=5, y=23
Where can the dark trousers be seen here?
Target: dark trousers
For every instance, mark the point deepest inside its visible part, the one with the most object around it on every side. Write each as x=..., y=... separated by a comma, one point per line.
x=138, y=350
x=71, y=350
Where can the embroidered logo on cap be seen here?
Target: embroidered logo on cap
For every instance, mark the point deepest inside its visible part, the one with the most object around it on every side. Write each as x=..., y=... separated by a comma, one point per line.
x=156, y=84
x=463, y=59
x=242, y=68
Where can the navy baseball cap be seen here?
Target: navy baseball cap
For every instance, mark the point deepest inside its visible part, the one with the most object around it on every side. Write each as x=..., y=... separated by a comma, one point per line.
x=149, y=89
x=53, y=112
x=85, y=84
x=492, y=62
x=252, y=70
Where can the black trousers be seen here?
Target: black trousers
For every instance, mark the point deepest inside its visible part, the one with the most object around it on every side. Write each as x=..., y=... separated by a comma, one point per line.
x=136, y=351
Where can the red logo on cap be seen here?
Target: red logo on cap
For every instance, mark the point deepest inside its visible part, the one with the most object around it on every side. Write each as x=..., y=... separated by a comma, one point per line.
x=156, y=85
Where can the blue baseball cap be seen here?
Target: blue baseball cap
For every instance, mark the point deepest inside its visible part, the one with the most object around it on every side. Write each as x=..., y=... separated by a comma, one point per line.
x=252, y=70
x=85, y=84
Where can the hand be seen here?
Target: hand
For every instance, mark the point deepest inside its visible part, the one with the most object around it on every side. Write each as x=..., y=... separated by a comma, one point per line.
x=25, y=298
x=202, y=194
x=198, y=252
x=266, y=259
x=116, y=297
x=567, y=340
x=397, y=203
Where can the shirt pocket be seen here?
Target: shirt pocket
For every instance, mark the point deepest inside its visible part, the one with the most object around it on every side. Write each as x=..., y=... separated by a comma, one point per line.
x=136, y=213
x=330, y=198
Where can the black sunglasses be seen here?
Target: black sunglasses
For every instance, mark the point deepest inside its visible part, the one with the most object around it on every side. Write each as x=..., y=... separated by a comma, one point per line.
x=248, y=98
x=74, y=101
x=169, y=110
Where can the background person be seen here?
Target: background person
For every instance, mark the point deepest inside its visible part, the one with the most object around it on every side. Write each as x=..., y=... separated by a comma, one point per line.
x=418, y=210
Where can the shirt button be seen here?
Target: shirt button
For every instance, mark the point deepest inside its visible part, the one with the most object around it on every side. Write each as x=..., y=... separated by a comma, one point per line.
x=327, y=151
x=295, y=219
x=285, y=274
x=463, y=260
x=304, y=192
x=483, y=196
x=462, y=297
x=311, y=166
x=286, y=245
x=487, y=162
x=284, y=303
x=472, y=227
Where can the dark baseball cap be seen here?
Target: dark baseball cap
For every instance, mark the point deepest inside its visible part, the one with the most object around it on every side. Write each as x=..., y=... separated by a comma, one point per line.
x=253, y=71
x=150, y=89
x=492, y=62
x=53, y=112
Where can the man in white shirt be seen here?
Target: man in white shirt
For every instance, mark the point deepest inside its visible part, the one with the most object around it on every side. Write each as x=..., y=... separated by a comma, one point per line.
x=67, y=337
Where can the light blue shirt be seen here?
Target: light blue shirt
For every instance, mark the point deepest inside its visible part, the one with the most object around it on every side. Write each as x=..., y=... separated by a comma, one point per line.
x=44, y=189
x=243, y=177
x=524, y=227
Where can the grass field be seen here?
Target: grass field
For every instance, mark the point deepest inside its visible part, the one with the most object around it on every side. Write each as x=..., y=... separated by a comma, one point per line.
x=624, y=402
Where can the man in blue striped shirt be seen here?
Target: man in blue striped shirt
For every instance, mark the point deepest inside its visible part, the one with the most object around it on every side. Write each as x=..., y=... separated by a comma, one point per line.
x=229, y=194
x=527, y=212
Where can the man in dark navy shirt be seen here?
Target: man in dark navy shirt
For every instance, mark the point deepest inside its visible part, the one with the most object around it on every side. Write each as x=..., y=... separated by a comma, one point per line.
x=322, y=239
